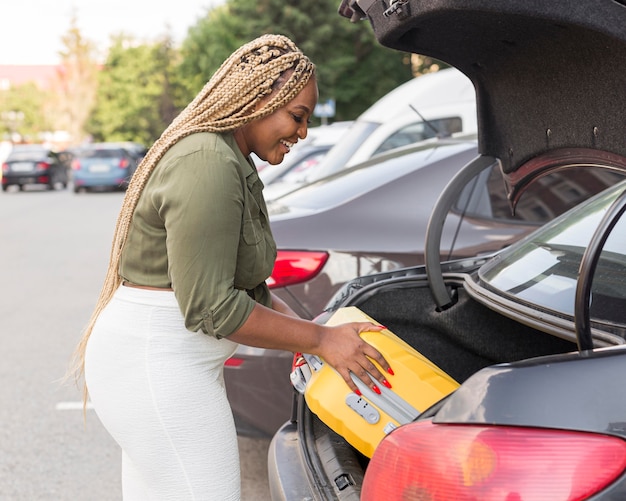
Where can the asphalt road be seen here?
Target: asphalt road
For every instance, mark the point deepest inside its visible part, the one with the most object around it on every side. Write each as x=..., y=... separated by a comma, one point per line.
x=54, y=249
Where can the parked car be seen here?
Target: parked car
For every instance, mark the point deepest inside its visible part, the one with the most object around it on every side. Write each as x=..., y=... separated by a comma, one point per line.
x=536, y=333
x=438, y=104
x=372, y=218
x=33, y=164
x=105, y=166
x=296, y=168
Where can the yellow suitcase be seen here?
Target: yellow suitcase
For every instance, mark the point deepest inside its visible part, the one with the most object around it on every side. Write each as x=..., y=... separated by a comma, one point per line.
x=364, y=420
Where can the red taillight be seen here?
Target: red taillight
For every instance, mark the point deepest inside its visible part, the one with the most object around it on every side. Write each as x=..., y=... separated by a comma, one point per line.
x=75, y=164
x=124, y=163
x=233, y=362
x=42, y=166
x=5, y=167
x=294, y=267
x=424, y=461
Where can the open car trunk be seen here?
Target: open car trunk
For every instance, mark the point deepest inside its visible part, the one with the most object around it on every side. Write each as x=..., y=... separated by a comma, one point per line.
x=404, y=304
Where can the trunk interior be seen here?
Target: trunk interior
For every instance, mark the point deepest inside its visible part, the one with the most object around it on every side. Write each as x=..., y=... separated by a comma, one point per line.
x=461, y=341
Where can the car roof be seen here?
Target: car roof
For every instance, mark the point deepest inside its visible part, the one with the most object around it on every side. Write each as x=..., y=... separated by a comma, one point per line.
x=448, y=87
x=547, y=75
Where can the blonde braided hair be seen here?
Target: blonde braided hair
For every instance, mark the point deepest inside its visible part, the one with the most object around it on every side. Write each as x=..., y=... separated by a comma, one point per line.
x=270, y=65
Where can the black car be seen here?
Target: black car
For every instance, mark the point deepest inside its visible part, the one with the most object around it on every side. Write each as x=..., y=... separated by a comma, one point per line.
x=536, y=333
x=34, y=164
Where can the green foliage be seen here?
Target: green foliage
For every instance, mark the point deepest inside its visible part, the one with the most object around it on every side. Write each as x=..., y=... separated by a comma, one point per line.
x=136, y=93
x=352, y=67
x=22, y=112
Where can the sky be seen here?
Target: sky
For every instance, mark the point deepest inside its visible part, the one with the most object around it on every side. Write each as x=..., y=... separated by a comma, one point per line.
x=31, y=30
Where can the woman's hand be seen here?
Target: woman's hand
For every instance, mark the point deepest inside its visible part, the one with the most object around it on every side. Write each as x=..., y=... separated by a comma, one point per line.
x=343, y=348
x=339, y=345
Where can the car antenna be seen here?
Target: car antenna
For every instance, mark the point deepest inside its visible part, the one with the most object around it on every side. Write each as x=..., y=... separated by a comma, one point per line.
x=427, y=122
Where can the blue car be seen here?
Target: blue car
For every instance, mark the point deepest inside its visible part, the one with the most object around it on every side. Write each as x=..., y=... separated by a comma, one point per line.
x=105, y=166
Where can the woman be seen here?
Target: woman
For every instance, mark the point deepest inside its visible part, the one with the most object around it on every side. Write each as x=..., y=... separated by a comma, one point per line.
x=186, y=281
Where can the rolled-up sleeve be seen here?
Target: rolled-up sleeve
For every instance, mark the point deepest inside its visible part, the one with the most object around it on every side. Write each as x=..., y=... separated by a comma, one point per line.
x=200, y=198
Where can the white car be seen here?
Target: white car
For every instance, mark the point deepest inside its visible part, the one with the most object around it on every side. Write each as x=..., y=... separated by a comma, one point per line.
x=438, y=104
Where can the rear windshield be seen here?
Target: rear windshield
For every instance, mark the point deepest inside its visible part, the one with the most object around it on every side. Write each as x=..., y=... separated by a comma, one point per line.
x=108, y=153
x=542, y=270
x=27, y=154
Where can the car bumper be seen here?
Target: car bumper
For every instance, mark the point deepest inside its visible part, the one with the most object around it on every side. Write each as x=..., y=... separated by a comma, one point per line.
x=311, y=462
x=8, y=180
x=288, y=479
x=113, y=180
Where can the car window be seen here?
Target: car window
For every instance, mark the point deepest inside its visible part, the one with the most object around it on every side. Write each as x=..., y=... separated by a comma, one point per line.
x=542, y=270
x=27, y=153
x=340, y=153
x=102, y=153
x=419, y=131
x=545, y=199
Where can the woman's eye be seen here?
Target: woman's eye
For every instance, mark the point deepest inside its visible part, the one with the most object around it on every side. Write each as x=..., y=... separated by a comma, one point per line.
x=297, y=118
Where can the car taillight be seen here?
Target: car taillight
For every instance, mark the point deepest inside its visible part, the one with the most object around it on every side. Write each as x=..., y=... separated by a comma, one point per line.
x=294, y=267
x=426, y=461
x=75, y=164
x=42, y=166
x=124, y=163
x=5, y=167
x=233, y=362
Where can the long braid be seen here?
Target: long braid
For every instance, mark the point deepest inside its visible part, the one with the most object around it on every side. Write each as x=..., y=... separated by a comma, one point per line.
x=228, y=101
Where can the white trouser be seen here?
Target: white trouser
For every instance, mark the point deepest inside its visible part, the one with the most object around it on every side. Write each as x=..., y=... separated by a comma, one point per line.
x=159, y=391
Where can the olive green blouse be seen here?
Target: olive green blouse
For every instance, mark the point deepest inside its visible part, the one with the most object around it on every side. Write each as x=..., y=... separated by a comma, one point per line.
x=201, y=228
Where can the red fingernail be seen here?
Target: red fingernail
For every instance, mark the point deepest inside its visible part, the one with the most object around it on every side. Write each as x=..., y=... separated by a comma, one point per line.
x=386, y=383
x=376, y=389
x=357, y=392
x=382, y=326
x=390, y=371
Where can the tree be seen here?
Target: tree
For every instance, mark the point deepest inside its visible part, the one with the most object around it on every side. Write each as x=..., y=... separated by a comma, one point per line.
x=353, y=69
x=21, y=117
x=136, y=93
x=75, y=85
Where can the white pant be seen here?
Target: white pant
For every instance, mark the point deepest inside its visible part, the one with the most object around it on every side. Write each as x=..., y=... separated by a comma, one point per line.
x=159, y=391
